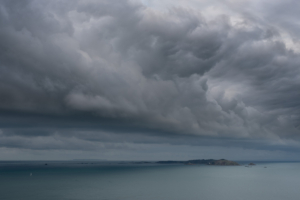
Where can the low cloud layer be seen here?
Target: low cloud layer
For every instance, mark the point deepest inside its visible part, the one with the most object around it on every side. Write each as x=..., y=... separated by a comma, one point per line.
x=95, y=75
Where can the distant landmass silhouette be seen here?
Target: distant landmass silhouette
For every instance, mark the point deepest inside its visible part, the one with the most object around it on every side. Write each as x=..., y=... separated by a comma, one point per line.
x=201, y=162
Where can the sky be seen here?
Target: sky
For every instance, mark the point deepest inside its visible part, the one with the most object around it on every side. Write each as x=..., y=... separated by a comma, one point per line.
x=149, y=79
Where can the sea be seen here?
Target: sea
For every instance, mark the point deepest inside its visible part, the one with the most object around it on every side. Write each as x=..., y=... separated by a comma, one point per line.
x=88, y=180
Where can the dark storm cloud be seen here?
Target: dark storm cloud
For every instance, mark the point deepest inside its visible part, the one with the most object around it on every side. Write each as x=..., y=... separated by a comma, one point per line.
x=145, y=75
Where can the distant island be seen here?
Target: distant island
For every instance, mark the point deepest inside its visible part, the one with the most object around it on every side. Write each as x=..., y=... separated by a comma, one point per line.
x=222, y=162
x=202, y=162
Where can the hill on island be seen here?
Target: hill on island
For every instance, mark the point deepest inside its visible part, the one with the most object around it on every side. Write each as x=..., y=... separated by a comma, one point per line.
x=201, y=162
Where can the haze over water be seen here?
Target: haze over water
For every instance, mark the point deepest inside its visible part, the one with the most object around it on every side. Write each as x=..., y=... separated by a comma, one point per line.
x=74, y=181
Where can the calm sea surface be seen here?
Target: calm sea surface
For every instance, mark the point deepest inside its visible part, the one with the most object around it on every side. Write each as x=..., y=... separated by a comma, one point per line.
x=73, y=180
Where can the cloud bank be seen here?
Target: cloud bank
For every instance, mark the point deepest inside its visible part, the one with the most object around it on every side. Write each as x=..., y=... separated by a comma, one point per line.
x=75, y=74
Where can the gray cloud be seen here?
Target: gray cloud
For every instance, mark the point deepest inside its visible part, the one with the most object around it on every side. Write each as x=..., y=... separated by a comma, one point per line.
x=75, y=73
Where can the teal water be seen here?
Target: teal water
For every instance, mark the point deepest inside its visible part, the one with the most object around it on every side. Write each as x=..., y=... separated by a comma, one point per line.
x=71, y=181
